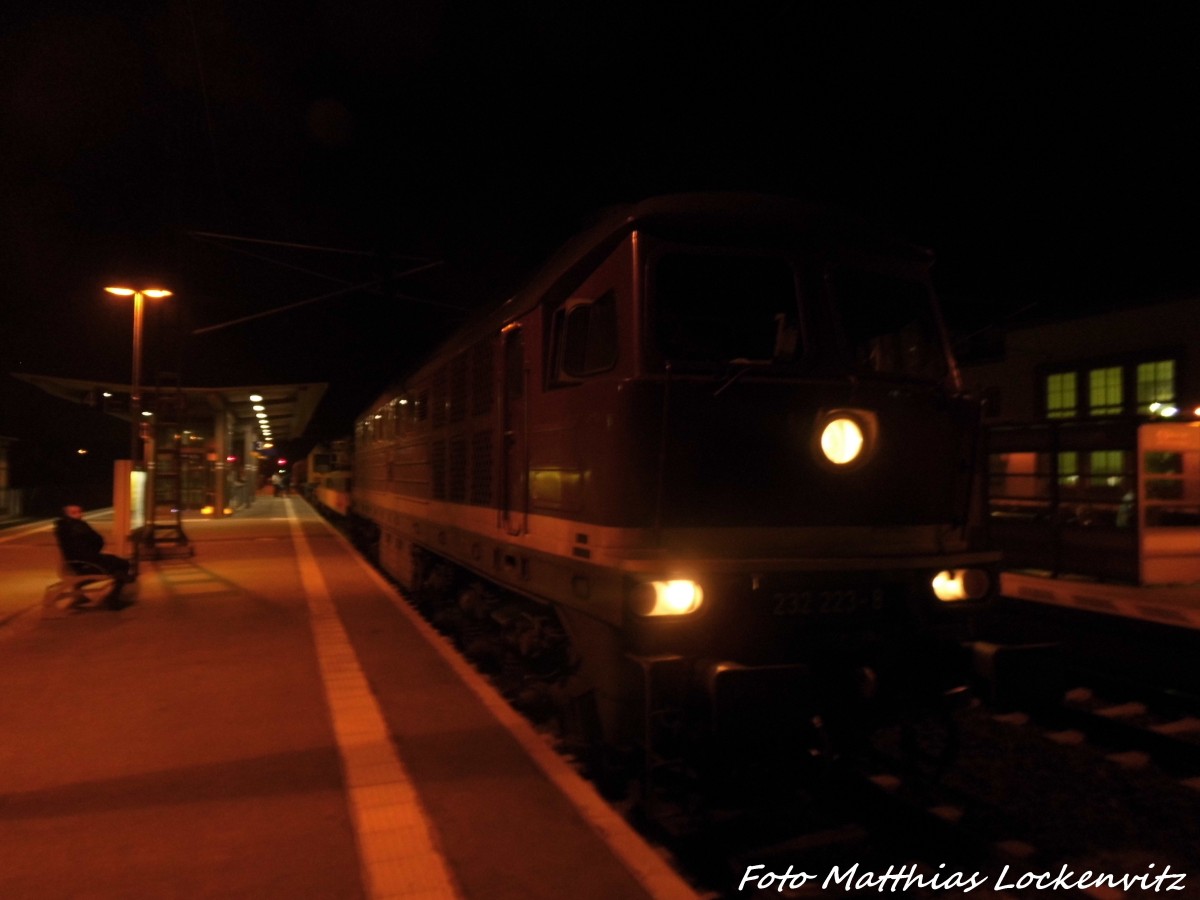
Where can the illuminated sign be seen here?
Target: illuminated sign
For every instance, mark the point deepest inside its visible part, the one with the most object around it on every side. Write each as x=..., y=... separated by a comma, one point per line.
x=137, y=500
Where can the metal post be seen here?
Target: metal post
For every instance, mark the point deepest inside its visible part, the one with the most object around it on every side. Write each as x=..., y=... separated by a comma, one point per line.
x=137, y=430
x=220, y=465
x=135, y=393
x=249, y=467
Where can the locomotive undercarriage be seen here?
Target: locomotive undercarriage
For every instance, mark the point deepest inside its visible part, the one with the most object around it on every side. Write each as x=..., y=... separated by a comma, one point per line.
x=742, y=730
x=711, y=725
x=520, y=644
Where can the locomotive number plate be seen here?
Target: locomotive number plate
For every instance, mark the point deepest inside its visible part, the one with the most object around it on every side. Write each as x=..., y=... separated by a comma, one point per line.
x=828, y=602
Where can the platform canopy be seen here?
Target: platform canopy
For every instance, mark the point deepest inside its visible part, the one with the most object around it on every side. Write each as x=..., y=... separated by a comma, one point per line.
x=288, y=407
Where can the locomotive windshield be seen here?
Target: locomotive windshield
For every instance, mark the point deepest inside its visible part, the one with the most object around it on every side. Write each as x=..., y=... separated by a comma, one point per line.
x=888, y=324
x=715, y=308
x=719, y=308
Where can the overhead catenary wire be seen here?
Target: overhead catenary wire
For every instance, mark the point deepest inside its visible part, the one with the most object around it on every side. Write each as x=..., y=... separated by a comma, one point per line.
x=365, y=286
x=292, y=245
x=349, y=288
x=270, y=312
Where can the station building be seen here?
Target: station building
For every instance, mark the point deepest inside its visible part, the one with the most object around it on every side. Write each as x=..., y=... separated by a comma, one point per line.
x=1093, y=444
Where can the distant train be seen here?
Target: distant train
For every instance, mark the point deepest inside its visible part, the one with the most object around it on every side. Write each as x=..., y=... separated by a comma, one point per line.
x=709, y=478
x=327, y=478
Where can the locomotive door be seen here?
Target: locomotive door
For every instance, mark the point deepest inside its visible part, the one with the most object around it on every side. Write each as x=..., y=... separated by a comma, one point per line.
x=515, y=467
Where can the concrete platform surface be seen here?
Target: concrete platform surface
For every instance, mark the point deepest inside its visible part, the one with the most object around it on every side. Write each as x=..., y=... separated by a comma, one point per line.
x=1177, y=605
x=270, y=719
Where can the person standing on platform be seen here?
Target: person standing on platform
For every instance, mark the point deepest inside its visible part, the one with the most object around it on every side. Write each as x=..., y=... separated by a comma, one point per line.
x=79, y=542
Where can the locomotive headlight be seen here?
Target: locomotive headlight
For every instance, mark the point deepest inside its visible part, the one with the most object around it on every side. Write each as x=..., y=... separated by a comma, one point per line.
x=845, y=438
x=960, y=584
x=667, y=598
x=842, y=441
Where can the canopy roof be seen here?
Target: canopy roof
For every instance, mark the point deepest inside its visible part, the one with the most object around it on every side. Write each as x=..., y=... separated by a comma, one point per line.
x=289, y=407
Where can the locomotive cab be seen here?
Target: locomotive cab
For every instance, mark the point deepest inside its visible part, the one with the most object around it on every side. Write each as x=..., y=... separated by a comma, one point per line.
x=785, y=464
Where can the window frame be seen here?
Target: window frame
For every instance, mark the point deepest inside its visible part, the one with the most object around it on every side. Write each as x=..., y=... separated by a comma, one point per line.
x=560, y=329
x=1061, y=411
x=1103, y=390
x=1145, y=398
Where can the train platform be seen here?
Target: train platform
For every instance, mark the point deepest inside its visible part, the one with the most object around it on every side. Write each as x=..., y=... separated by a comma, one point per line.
x=1176, y=605
x=269, y=718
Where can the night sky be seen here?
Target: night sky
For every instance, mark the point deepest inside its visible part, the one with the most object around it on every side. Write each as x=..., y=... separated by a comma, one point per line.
x=256, y=155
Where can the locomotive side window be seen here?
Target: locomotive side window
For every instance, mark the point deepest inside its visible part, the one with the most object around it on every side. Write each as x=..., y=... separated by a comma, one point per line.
x=590, y=336
x=456, y=404
x=584, y=320
x=483, y=377
x=440, y=398
x=584, y=337
x=888, y=324
x=724, y=307
x=420, y=411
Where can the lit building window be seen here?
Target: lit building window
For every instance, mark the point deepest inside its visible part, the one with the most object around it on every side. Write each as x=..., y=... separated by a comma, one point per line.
x=1104, y=392
x=1106, y=468
x=1068, y=468
x=1060, y=395
x=1155, y=384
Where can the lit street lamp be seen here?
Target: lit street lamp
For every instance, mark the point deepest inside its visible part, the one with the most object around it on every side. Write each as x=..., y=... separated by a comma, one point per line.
x=135, y=393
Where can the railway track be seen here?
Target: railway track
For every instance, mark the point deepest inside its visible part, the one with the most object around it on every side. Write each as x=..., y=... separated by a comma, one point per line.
x=1132, y=732
x=1103, y=779
x=1133, y=722
x=1022, y=804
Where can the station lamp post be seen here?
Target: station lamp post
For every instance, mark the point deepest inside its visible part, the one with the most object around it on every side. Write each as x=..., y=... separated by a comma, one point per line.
x=135, y=393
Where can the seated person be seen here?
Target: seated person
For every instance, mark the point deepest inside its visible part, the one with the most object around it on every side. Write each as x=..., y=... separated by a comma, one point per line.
x=80, y=542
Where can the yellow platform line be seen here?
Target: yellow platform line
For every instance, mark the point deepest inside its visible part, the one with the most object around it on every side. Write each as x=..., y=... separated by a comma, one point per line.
x=644, y=863
x=396, y=848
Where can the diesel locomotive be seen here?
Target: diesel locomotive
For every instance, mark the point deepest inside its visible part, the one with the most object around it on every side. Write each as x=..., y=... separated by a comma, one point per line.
x=709, y=477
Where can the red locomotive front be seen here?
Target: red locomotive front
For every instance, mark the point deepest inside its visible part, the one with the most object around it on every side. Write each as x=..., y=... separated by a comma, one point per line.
x=719, y=439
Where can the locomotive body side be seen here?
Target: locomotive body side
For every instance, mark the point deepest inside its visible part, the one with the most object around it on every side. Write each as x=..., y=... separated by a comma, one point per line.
x=635, y=447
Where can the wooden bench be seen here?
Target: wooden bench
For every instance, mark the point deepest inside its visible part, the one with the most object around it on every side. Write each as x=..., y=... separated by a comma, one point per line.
x=79, y=584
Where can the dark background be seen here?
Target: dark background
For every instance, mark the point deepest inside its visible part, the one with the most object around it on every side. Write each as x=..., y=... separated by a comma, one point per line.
x=1048, y=154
